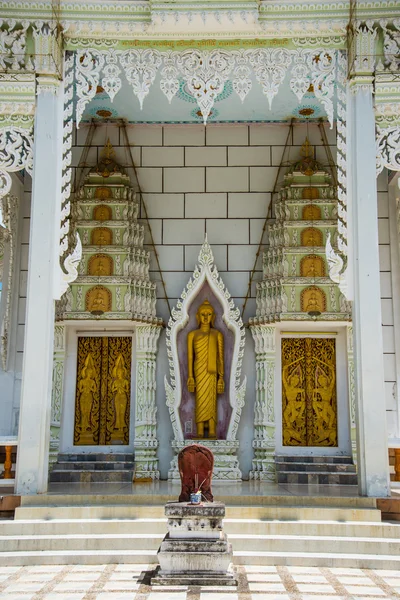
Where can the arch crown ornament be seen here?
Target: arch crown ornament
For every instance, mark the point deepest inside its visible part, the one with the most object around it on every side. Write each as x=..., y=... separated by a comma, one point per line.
x=226, y=465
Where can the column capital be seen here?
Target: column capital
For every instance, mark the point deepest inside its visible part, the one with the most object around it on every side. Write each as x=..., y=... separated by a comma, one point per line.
x=264, y=338
x=47, y=84
x=147, y=338
x=362, y=57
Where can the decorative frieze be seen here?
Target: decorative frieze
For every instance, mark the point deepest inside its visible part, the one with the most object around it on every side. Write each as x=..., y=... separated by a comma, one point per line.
x=206, y=72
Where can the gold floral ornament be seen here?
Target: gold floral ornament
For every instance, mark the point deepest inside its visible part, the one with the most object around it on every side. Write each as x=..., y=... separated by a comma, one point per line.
x=107, y=165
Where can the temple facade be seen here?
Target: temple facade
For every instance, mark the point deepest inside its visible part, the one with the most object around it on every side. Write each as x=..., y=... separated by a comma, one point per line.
x=199, y=240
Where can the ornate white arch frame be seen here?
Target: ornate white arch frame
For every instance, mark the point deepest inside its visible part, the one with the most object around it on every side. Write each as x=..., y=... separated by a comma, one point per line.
x=226, y=462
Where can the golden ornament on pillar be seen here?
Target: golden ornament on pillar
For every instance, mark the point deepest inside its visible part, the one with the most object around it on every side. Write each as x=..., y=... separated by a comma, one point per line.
x=206, y=369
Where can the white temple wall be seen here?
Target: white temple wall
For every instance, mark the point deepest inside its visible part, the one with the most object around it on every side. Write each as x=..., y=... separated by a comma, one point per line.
x=216, y=180
x=10, y=379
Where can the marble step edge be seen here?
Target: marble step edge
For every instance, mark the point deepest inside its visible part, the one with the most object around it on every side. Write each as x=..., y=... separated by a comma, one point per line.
x=142, y=501
x=149, y=557
x=92, y=466
x=300, y=467
x=384, y=531
x=82, y=457
x=232, y=536
x=316, y=459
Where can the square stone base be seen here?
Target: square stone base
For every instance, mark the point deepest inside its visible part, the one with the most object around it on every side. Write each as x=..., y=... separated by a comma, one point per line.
x=194, y=578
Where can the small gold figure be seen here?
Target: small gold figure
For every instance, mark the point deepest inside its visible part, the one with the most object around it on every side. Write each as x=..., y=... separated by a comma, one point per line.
x=294, y=412
x=312, y=304
x=206, y=369
x=98, y=302
x=86, y=387
x=120, y=388
x=322, y=403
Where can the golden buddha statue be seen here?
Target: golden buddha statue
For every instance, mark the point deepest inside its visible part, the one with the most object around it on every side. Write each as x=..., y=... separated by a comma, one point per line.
x=206, y=369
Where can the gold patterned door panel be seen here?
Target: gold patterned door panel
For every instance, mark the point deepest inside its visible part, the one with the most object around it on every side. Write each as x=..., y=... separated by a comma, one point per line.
x=309, y=403
x=103, y=390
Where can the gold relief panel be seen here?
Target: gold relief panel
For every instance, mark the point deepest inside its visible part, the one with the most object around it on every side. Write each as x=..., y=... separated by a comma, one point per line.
x=312, y=266
x=98, y=300
x=309, y=403
x=102, y=405
x=313, y=299
x=101, y=265
x=311, y=237
x=101, y=236
x=310, y=193
x=103, y=193
x=102, y=212
x=311, y=212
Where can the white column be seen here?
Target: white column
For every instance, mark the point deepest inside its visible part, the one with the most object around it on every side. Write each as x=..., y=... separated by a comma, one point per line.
x=368, y=346
x=263, y=465
x=35, y=409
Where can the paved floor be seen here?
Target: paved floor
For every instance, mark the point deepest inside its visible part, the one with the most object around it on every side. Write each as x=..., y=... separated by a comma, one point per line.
x=124, y=582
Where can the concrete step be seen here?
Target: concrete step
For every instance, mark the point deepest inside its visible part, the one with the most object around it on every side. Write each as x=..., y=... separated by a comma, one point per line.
x=319, y=478
x=243, y=542
x=101, y=465
x=158, y=526
x=345, y=459
x=317, y=467
x=133, y=511
x=94, y=457
x=87, y=476
x=240, y=557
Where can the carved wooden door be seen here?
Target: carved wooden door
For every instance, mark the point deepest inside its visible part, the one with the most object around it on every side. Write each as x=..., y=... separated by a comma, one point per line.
x=309, y=404
x=103, y=390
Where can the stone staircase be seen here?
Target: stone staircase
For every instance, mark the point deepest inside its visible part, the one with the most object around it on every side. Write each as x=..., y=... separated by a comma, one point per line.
x=92, y=468
x=321, y=470
x=263, y=530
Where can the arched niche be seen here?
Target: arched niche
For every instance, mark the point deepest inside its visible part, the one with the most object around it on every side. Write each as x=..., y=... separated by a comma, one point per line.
x=312, y=266
x=102, y=236
x=187, y=405
x=311, y=212
x=102, y=212
x=98, y=299
x=313, y=299
x=101, y=265
x=311, y=236
x=103, y=193
x=310, y=193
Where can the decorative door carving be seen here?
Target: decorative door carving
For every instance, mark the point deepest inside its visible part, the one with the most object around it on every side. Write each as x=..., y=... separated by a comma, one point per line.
x=103, y=390
x=309, y=404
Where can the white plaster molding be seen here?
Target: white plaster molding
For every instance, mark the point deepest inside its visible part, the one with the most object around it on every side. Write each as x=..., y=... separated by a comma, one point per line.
x=146, y=443
x=388, y=148
x=13, y=45
x=352, y=391
x=205, y=271
x=10, y=208
x=69, y=272
x=335, y=266
x=263, y=465
x=16, y=153
x=205, y=73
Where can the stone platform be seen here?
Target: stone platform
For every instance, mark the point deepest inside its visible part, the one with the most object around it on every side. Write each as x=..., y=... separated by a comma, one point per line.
x=195, y=550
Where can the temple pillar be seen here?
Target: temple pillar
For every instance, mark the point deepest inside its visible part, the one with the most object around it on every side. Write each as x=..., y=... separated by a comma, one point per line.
x=146, y=443
x=372, y=453
x=35, y=408
x=57, y=391
x=263, y=465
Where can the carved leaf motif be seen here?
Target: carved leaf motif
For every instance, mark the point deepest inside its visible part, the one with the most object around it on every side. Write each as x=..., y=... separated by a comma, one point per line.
x=140, y=68
x=270, y=66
